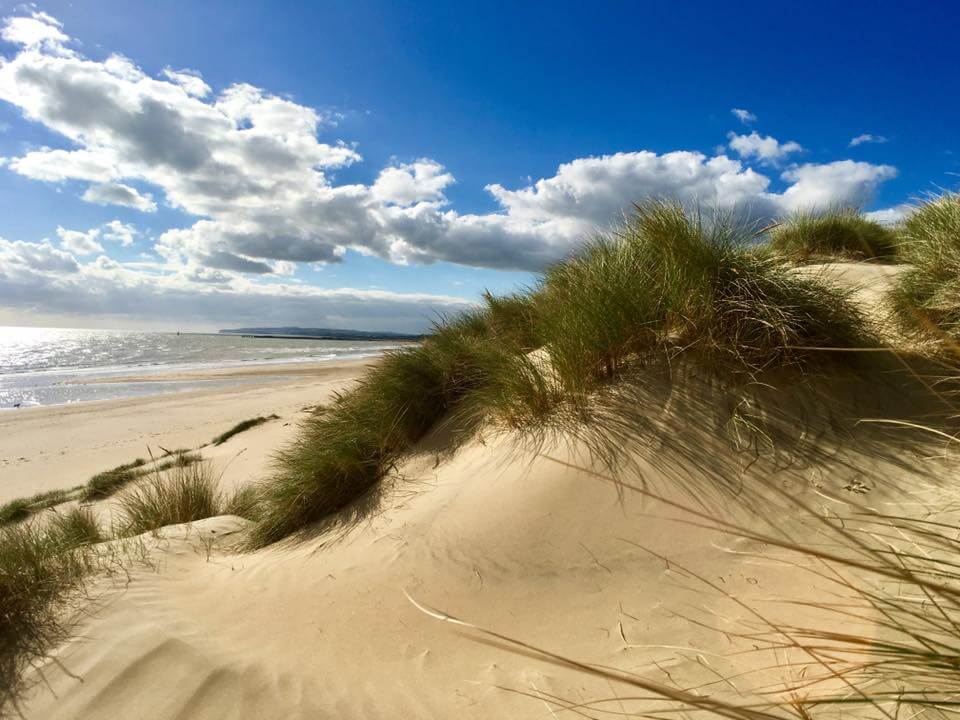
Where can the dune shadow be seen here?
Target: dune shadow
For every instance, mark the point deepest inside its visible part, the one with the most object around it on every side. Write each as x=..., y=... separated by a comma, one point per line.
x=875, y=424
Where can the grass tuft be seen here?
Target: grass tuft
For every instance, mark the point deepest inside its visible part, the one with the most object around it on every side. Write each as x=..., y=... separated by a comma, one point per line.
x=839, y=233
x=664, y=283
x=241, y=427
x=184, y=494
x=77, y=526
x=245, y=503
x=667, y=282
x=107, y=483
x=41, y=570
x=926, y=298
x=22, y=508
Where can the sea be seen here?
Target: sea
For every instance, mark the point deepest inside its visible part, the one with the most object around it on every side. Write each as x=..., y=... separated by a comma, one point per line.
x=56, y=366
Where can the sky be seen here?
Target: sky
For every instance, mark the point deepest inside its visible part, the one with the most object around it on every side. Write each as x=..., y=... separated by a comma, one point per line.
x=376, y=165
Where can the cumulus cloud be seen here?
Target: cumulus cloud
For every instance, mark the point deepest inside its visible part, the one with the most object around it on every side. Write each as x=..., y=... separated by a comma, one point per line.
x=868, y=138
x=81, y=243
x=19, y=258
x=39, y=30
x=744, y=116
x=39, y=276
x=250, y=168
x=420, y=181
x=844, y=182
x=765, y=149
x=123, y=233
x=890, y=215
x=115, y=193
x=190, y=80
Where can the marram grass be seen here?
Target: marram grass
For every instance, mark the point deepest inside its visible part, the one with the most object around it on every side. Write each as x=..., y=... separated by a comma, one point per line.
x=182, y=494
x=665, y=282
x=45, y=562
x=842, y=233
x=926, y=297
x=42, y=569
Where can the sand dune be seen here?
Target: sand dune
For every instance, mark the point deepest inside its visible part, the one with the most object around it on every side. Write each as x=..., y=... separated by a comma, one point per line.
x=505, y=538
x=526, y=537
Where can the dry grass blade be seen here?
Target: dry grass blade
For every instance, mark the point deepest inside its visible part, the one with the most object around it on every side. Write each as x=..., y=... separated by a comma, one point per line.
x=685, y=699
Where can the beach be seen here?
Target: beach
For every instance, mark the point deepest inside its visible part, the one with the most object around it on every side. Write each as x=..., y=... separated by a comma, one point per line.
x=61, y=446
x=364, y=617
x=487, y=573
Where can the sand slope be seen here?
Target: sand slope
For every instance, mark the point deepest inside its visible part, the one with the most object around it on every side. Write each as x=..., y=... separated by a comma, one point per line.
x=497, y=533
x=509, y=540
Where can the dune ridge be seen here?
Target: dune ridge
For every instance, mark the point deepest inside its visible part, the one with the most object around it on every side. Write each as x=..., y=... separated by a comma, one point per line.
x=496, y=533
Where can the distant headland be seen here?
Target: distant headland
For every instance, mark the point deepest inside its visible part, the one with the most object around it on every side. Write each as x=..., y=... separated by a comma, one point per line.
x=319, y=333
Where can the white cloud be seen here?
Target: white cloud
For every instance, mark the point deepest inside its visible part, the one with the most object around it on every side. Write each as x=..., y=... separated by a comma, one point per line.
x=38, y=276
x=81, y=243
x=844, y=182
x=744, y=116
x=115, y=193
x=890, y=215
x=37, y=31
x=868, y=138
x=190, y=80
x=123, y=233
x=58, y=165
x=18, y=258
x=766, y=149
x=249, y=167
x=420, y=181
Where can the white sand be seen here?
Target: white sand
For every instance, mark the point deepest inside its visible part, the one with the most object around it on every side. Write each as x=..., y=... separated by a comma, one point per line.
x=49, y=448
x=509, y=540
x=503, y=538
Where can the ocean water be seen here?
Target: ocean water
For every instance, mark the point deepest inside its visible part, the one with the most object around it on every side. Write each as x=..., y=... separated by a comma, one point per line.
x=53, y=366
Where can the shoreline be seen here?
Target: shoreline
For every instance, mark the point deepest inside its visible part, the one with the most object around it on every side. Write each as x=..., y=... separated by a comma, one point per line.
x=54, y=447
x=61, y=389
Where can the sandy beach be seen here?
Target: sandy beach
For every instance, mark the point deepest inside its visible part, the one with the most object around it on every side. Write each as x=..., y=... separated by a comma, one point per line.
x=49, y=448
x=349, y=624
x=385, y=610
x=479, y=361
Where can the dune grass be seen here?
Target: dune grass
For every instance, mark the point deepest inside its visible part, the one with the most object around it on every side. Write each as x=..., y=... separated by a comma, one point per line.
x=44, y=565
x=22, y=508
x=41, y=569
x=105, y=484
x=666, y=282
x=244, y=503
x=926, y=298
x=184, y=493
x=842, y=233
x=241, y=427
x=77, y=526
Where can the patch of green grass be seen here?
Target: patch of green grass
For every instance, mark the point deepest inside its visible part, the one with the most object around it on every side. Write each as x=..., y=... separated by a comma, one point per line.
x=664, y=283
x=41, y=570
x=926, y=298
x=108, y=482
x=828, y=235
x=241, y=427
x=343, y=451
x=77, y=526
x=244, y=503
x=105, y=484
x=667, y=282
x=184, y=493
x=22, y=508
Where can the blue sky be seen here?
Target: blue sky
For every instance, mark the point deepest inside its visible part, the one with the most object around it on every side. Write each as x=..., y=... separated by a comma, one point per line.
x=371, y=164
